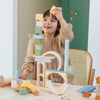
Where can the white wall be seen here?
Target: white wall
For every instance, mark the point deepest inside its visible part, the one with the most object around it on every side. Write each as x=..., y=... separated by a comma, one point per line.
x=6, y=31
x=94, y=35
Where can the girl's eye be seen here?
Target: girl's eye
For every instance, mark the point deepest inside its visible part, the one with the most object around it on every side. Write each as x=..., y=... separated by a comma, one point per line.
x=44, y=19
x=52, y=20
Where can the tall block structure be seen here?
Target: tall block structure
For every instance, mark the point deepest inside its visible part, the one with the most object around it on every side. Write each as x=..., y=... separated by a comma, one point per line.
x=38, y=34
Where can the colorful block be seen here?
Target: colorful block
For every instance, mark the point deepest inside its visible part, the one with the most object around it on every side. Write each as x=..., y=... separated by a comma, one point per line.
x=39, y=23
x=39, y=17
x=38, y=47
x=23, y=91
x=38, y=41
x=38, y=30
x=13, y=83
x=43, y=59
x=38, y=52
x=38, y=36
x=51, y=11
x=86, y=94
x=70, y=68
x=97, y=98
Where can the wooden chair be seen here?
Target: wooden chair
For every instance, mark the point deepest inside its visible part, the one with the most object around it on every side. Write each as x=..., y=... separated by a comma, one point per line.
x=82, y=62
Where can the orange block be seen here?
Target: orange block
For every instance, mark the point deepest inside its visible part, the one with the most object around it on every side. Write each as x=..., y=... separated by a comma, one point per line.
x=98, y=80
x=97, y=98
x=86, y=94
x=5, y=84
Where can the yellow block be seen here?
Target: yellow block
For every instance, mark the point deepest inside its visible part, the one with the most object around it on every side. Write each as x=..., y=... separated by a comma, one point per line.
x=39, y=17
x=51, y=11
x=29, y=85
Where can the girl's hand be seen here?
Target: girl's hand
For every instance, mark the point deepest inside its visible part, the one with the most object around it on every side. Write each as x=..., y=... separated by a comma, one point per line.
x=24, y=77
x=58, y=13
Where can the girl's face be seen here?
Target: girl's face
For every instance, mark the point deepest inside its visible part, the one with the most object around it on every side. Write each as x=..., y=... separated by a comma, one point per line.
x=49, y=25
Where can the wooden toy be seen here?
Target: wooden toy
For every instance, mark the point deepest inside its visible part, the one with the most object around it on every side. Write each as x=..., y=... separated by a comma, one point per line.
x=98, y=89
x=2, y=79
x=13, y=83
x=70, y=68
x=86, y=94
x=38, y=36
x=66, y=54
x=39, y=17
x=51, y=11
x=38, y=30
x=38, y=23
x=31, y=87
x=23, y=91
x=98, y=80
x=8, y=83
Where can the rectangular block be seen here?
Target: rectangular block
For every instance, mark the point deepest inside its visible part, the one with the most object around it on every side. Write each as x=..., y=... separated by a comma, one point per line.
x=38, y=41
x=39, y=23
x=51, y=10
x=38, y=52
x=90, y=89
x=39, y=17
x=38, y=36
x=70, y=68
x=23, y=91
x=38, y=47
x=83, y=89
x=40, y=59
x=2, y=79
x=38, y=30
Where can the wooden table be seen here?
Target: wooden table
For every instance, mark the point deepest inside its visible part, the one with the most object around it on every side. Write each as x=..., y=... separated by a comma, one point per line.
x=8, y=93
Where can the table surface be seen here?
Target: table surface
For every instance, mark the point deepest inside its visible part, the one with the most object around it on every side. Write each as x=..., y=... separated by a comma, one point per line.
x=8, y=93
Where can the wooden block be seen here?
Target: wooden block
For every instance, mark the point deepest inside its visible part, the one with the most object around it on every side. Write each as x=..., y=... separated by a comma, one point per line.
x=38, y=52
x=98, y=80
x=38, y=36
x=38, y=47
x=40, y=59
x=23, y=91
x=70, y=68
x=97, y=97
x=2, y=79
x=39, y=23
x=38, y=30
x=86, y=94
x=39, y=17
x=13, y=83
x=51, y=11
x=38, y=41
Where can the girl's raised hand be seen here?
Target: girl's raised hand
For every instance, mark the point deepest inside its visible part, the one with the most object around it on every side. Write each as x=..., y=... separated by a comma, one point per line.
x=58, y=13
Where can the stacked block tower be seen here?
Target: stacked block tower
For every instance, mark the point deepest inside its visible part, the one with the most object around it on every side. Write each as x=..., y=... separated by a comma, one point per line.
x=38, y=34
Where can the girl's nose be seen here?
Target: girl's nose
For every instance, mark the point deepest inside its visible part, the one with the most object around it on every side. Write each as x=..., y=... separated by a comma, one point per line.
x=47, y=22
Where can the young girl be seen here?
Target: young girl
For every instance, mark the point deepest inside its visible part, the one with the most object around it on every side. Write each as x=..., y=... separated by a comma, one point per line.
x=56, y=30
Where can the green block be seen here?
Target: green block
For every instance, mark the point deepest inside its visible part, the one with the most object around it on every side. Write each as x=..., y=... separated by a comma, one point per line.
x=38, y=47
x=23, y=91
x=38, y=30
x=38, y=41
x=70, y=69
x=38, y=52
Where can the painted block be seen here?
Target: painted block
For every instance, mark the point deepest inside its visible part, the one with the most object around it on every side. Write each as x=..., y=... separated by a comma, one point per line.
x=70, y=68
x=87, y=88
x=40, y=59
x=39, y=23
x=51, y=10
x=2, y=79
x=23, y=91
x=38, y=30
x=38, y=41
x=66, y=54
x=38, y=47
x=38, y=36
x=86, y=94
x=38, y=52
x=13, y=83
x=39, y=17
x=20, y=80
x=60, y=71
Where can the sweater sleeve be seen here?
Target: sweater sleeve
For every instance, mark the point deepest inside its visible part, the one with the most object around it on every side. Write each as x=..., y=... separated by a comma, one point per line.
x=66, y=33
x=29, y=60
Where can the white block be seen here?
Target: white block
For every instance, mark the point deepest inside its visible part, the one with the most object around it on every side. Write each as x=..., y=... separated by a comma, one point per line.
x=38, y=23
x=13, y=83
